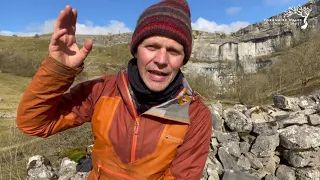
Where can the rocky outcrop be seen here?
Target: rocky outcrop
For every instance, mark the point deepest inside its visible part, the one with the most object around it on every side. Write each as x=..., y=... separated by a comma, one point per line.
x=279, y=141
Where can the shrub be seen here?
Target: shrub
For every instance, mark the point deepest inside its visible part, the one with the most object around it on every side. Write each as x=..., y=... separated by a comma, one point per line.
x=202, y=84
x=19, y=63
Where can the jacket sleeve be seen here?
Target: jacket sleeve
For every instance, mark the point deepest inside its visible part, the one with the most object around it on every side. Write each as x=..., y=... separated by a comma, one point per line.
x=192, y=155
x=46, y=109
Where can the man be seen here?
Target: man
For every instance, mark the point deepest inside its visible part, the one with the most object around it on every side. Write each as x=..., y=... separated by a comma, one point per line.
x=147, y=122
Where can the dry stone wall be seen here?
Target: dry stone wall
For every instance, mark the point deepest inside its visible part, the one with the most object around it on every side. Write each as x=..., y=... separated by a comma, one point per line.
x=276, y=142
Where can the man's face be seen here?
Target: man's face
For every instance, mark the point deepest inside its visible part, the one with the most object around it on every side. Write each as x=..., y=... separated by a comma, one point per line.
x=159, y=60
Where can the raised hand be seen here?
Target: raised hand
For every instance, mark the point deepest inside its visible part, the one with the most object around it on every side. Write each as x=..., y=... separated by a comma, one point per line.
x=63, y=47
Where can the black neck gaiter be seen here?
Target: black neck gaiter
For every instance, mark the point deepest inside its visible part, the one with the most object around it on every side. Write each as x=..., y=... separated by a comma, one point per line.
x=143, y=94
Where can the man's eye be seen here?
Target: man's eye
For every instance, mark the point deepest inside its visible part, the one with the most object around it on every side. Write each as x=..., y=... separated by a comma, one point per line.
x=174, y=52
x=151, y=47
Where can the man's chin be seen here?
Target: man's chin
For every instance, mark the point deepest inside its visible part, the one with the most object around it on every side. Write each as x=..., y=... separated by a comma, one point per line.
x=157, y=86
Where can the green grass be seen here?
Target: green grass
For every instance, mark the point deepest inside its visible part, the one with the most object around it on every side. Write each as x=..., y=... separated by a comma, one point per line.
x=30, y=44
x=11, y=90
x=5, y=125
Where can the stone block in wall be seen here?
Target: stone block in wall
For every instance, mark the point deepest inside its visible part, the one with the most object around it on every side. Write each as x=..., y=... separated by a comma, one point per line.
x=285, y=173
x=296, y=119
x=227, y=136
x=300, y=137
x=228, y=161
x=244, y=147
x=265, y=146
x=214, y=147
x=216, y=165
x=217, y=121
x=270, y=177
x=314, y=119
x=259, y=114
x=259, y=173
x=311, y=173
x=286, y=103
x=238, y=175
x=307, y=103
x=233, y=148
x=237, y=121
x=254, y=161
x=244, y=163
x=266, y=128
x=247, y=137
x=303, y=158
x=279, y=114
x=270, y=166
x=241, y=108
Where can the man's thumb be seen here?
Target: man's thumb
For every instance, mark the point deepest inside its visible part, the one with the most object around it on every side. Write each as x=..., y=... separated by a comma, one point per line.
x=87, y=47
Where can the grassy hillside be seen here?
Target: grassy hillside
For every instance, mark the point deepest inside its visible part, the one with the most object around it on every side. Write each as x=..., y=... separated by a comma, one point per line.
x=22, y=56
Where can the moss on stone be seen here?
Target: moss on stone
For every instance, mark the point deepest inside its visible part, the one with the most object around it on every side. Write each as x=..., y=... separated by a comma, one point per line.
x=75, y=154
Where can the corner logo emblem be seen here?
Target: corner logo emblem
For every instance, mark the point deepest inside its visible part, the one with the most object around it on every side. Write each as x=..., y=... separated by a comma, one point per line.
x=303, y=12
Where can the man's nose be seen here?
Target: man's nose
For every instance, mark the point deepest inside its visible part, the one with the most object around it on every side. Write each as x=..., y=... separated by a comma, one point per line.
x=162, y=57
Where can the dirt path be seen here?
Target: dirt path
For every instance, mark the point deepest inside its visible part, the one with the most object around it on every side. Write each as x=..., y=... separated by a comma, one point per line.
x=19, y=145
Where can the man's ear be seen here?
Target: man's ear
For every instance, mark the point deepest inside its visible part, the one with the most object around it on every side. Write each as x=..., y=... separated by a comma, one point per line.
x=135, y=54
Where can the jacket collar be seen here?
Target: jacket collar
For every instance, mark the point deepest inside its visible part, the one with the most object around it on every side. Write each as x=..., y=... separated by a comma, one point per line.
x=176, y=109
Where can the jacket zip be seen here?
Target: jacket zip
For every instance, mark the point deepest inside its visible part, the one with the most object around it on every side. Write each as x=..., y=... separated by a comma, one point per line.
x=134, y=140
x=136, y=125
x=112, y=173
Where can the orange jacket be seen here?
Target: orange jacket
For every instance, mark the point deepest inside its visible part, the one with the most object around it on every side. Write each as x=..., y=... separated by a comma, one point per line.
x=169, y=141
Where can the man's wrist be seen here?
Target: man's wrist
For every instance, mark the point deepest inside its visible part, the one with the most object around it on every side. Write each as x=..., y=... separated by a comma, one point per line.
x=61, y=68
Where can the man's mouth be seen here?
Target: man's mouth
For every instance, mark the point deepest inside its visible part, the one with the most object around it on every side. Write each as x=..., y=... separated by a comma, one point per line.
x=159, y=73
x=157, y=76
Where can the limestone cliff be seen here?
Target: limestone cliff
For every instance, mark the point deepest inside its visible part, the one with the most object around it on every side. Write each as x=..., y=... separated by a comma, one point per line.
x=256, y=40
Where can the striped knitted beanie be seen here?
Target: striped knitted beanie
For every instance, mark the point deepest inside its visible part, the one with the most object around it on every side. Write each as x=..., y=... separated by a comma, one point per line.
x=169, y=18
